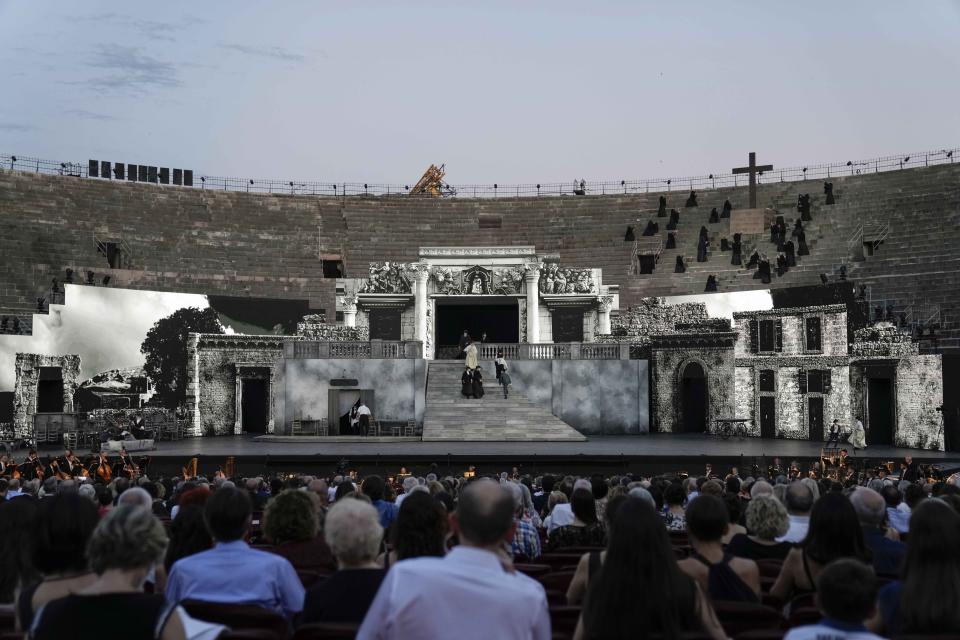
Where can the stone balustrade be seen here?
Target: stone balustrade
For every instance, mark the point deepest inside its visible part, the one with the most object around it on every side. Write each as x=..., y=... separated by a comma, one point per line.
x=374, y=349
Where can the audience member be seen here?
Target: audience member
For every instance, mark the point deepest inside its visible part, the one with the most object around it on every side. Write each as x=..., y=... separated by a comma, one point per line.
x=466, y=593
x=419, y=530
x=673, y=498
x=834, y=533
x=720, y=574
x=408, y=484
x=591, y=561
x=63, y=526
x=232, y=572
x=526, y=539
x=898, y=512
x=872, y=511
x=353, y=532
x=767, y=520
x=374, y=488
x=846, y=590
x=640, y=560
x=291, y=522
x=925, y=598
x=735, y=508
x=585, y=530
x=123, y=549
x=17, y=522
x=799, y=501
x=188, y=535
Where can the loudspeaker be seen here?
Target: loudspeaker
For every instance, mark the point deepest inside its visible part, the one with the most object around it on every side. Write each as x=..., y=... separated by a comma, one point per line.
x=142, y=173
x=178, y=177
x=152, y=174
x=118, y=172
x=104, y=169
x=164, y=175
x=188, y=177
x=132, y=172
x=93, y=168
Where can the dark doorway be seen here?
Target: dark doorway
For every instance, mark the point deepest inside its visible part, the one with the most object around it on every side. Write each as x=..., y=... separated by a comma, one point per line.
x=815, y=417
x=567, y=325
x=384, y=324
x=253, y=406
x=501, y=322
x=693, y=396
x=880, y=411
x=768, y=417
x=50, y=390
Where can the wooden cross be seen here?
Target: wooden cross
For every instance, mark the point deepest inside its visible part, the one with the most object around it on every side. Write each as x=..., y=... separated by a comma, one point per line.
x=752, y=169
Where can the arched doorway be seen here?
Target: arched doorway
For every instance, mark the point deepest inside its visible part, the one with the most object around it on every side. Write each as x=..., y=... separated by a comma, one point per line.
x=693, y=399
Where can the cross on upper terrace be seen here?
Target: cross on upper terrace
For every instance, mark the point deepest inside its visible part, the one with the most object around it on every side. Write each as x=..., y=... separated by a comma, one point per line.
x=752, y=169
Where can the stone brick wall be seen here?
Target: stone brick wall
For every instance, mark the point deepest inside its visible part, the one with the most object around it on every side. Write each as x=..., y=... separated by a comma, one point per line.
x=919, y=393
x=833, y=329
x=744, y=398
x=25, y=388
x=668, y=365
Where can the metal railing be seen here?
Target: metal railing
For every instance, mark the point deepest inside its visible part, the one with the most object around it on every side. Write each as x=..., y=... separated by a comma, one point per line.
x=590, y=187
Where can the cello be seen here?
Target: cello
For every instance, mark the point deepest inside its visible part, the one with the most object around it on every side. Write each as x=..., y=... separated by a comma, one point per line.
x=104, y=472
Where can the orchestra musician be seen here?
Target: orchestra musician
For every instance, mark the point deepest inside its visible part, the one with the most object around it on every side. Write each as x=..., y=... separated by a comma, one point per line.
x=32, y=468
x=127, y=466
x=101, y=468
x=6, y=466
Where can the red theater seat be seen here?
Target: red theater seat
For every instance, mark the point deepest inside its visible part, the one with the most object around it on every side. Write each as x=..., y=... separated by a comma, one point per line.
x=326, y=631
x=239, y=616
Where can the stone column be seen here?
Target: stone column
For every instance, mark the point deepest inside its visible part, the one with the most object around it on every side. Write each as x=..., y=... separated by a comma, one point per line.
x=421, y=273
x=238, y=403
x=349, y=304
x=605, y=304
x=532, y=277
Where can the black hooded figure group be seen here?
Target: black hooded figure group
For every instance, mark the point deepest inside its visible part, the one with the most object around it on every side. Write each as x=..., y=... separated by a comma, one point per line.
x=471, y=383
x=652, y=228
x=671, y=240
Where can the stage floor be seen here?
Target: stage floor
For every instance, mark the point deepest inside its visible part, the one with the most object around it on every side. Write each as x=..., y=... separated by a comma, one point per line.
x=608, y=454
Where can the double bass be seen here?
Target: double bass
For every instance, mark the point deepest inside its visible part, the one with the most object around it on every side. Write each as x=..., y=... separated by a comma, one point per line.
x=104, y=471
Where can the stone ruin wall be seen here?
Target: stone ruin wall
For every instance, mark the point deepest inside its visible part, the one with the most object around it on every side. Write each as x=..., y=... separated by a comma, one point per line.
x=25, y=390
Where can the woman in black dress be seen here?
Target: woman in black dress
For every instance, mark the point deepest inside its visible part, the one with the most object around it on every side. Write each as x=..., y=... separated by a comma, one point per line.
x=477, y=383
x=466, y=384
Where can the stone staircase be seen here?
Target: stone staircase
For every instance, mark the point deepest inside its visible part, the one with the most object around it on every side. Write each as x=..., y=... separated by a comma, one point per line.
x=450, y=416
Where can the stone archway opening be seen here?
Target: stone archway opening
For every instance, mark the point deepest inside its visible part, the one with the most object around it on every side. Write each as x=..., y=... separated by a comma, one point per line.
x=693, y=399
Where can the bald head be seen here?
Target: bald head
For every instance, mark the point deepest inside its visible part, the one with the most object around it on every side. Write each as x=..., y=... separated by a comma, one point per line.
x=870, y=506
x=484, y=513
x=761, y=488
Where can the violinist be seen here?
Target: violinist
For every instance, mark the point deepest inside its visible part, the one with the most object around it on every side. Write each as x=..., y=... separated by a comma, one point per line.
x=6, y=467
x=32, y=468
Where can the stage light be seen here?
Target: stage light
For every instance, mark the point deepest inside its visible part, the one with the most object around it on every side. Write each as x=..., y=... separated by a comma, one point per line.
x=710, y=176
x=804, y=170
x=823, y=278
x=251, y=182
x=203, y=178
x=849, y=163
x=669, y=181
x=907, y=159
x=950, y=154
x=406, y=187
x=291, y=184
x=14, y=158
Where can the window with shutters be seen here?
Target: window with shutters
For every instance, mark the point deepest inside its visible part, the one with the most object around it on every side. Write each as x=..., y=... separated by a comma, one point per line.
x=814, y=381
x=813, y=334
x=767, y=380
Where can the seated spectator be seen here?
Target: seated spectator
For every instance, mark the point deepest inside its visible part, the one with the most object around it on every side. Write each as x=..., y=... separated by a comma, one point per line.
x=232, y=572
x=872, y=512
x=408, y=484
x=542, y=495
x=188, y=535
x=123, y=548
x=526, y=540
x=591, y=561
x=846, y=592
x=353, y=532
x=564, y=515
x=466, y=593
x=735, y=511
x=419, y=530
x=585, y=530
x=17, y=521
x=291, y=522
x=64, y=524
x=719, y=573
x=925, y=598
x=640, y=560
x=899, y=519
x=834, y=533
x=374, y=488
x=345, y=488
x=766, y=521
x=673, y=498
x=799, y=499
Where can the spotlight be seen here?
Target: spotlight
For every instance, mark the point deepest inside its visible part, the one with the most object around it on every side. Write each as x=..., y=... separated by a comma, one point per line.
x=494, y=185
x=203, y=178
x=804, y=171
x=291, y=184
x=406, y=187
x=824, y=279
x=668, y=181
x=907, y=159
x=849, y=163
x=710, y=176
x=950, y=154
x=14, y=158
x=251, y=182
x=106, y=281
x=63, y=165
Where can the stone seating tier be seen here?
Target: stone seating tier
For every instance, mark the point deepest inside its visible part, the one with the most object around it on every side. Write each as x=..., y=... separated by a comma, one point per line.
x=257, y=245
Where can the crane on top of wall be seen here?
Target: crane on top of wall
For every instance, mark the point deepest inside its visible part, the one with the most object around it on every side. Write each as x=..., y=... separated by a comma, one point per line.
x=431, y=183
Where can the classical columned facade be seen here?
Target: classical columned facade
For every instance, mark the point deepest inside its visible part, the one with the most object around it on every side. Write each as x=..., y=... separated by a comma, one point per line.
x=499, y=295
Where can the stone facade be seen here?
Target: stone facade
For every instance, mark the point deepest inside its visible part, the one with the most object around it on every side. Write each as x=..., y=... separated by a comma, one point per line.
x=28, y=367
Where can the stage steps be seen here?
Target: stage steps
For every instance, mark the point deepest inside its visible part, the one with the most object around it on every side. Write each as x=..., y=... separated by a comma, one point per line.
x=451, y=417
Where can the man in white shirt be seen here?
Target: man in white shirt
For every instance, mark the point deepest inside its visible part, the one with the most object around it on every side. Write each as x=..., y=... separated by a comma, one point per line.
x=469, y=594
x=363, y=416
x=799, y=502
x=562, y=514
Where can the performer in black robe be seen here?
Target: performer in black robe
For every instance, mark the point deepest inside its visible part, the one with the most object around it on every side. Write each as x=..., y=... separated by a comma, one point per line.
x=674, y=220
x=727, y=207
x=702, y=245
x=802, y=249
x=671, y=241
x=662, y=208
x=466, y=384
x=680, y=267
x=774, y=232
x=788, y=252
x=797, y=228
x=737, y=257
x=477, y=383
x=714, y=216
x=781, y=265
x=803, y=206
x=692, y=199
x=711, y=284
x=628, y=236
x=781, y=232
x=828, y=192
x=652, y=228
x=754, y=260
x=464, y=341
x=764, y=270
